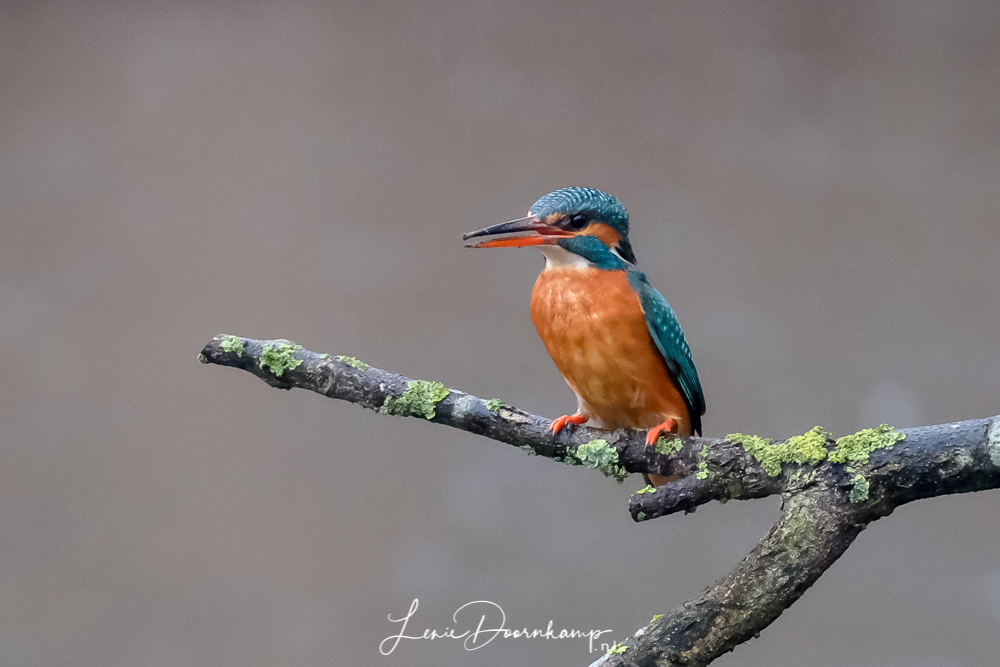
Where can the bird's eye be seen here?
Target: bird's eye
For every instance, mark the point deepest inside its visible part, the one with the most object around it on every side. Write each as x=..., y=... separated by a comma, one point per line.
x=578, y=221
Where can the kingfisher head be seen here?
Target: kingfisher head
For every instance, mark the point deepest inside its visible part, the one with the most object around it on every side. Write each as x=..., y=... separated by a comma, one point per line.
x=573, y=218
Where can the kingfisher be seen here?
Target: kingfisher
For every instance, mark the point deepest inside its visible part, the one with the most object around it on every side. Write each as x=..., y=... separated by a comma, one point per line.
x=613, y=336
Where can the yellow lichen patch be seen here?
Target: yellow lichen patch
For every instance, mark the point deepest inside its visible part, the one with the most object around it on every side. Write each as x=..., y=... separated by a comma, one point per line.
x=352, y=362
x=857, y=448
x=598, y=454
x=280, y=359
x=419, y=400
x=669, y=445
x=807, y=448
x=233, y=344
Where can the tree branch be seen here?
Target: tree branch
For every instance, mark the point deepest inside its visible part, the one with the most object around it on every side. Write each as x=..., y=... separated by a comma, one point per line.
x=830, y=490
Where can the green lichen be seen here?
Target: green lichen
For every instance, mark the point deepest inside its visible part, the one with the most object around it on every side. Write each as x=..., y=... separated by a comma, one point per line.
x=807, y=448
x=419, y=400
x=993, y=442
x=657, y=617
x=568, y=459
x=280, y=359
x=647, y=489
x=641, y=516
x=858, y=448
x=529, y=450
x=324, y=355
x=859, y=487
x=354, y=363
x=803, y=476
x=703, y=464
x=668, y=445
x=494, y=405
x=617, y=648
x=599, y=455
x=756, y=447
x=233, y=344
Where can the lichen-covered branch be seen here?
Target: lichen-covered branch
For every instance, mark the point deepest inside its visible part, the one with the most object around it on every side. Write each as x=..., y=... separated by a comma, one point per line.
x=284, y=364
x=815, y=528
x=830, y=488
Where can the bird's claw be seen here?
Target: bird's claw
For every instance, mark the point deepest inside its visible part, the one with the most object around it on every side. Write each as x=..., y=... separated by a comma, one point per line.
x=558, y=424
x=666, y=428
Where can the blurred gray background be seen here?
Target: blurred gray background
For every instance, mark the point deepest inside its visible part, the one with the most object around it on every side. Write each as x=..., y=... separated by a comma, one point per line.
x=813, y=186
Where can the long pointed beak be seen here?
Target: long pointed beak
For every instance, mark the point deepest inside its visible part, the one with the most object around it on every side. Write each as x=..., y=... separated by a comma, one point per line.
x=535, y=232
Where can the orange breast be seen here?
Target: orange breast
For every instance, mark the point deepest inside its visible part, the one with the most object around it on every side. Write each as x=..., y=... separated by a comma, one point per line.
x=593, y=328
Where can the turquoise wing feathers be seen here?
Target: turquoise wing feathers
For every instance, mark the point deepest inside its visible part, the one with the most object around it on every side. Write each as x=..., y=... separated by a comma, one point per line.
x=669, y=338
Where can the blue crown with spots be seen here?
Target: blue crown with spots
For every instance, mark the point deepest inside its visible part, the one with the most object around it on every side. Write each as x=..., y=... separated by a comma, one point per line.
x=593, y=203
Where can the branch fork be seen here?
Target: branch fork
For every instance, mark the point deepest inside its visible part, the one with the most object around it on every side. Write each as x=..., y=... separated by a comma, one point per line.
x=830, y=490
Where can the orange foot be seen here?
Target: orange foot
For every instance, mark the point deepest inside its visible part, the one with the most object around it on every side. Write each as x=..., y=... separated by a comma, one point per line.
x=654, y=433
x=651, y=437
x=576, y=419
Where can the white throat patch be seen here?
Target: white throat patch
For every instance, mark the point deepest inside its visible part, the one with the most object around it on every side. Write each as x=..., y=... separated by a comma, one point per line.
x=557, y=257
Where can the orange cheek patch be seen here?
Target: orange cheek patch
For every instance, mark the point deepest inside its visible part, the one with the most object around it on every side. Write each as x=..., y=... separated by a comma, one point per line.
x=605, y=233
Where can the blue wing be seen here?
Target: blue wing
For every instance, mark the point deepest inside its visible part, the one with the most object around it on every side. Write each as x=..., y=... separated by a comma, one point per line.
x=669, y=339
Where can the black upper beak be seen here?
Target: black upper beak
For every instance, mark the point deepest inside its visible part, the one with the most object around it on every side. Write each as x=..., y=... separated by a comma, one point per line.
x=533, y=232
x=528, y=223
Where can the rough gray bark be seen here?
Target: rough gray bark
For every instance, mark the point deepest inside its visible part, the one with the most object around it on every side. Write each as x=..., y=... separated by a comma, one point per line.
x=824, y=504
